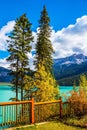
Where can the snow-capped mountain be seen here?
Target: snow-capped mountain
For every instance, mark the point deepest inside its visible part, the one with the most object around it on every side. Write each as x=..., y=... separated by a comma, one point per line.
x=74, y=59
x=70, y=66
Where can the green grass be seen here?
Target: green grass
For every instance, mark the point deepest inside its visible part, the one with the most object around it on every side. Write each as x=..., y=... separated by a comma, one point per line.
x=50, y=126
x=76, y=121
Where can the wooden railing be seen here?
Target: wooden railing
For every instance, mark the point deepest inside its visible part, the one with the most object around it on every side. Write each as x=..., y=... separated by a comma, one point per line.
x=13, y=113
x=26, y=112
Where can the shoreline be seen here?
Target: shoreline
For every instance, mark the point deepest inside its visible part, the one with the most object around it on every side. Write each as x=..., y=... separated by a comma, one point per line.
x=5, y=83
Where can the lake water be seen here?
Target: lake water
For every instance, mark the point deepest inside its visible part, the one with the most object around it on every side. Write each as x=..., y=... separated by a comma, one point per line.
x=65, y=92
x=6, y=93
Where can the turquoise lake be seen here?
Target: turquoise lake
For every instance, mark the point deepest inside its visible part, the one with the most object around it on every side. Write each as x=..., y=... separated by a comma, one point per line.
x=6, y=93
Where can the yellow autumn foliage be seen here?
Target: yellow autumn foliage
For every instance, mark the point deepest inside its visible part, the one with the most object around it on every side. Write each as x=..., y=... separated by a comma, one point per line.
x=78, y=99
x=46, y=84
x=83, y=82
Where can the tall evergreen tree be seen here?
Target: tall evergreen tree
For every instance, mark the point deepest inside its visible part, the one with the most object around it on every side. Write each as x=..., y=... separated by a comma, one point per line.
x=19, y=46
x=43, y=77
x=44, y=47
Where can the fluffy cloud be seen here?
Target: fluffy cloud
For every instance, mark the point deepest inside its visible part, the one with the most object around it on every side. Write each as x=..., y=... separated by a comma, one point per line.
x=70, y=40
x=3, y=34
x=4, y=63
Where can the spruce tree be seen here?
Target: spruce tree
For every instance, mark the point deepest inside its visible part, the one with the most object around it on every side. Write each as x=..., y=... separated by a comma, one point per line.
x=43, y=78
x=19, y=46
x=44, y=47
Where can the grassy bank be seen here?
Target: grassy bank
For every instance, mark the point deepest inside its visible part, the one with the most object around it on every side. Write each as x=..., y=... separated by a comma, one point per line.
x=76, y=121
x=49, y=126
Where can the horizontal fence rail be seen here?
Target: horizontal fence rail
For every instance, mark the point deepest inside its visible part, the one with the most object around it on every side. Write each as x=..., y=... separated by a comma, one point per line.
x=26, y=112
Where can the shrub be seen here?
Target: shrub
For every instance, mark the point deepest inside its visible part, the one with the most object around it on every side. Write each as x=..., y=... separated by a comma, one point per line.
x=78, y=102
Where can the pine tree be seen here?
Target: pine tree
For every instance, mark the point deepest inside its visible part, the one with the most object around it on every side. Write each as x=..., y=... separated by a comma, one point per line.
x=44, y=47
x=19, y=46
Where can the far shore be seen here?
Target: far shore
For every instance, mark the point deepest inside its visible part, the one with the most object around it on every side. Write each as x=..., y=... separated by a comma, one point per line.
x=5, y=83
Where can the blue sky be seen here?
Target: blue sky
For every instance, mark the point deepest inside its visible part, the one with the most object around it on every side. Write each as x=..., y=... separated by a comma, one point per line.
x=68, y=21
x=61, y=12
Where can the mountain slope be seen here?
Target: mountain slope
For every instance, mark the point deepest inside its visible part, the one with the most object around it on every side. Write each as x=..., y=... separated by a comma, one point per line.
x=4, y=75
x=67, y=70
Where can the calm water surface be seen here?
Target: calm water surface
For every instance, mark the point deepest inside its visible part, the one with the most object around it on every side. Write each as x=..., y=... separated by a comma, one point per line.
x=6, y=93
x=65, y=89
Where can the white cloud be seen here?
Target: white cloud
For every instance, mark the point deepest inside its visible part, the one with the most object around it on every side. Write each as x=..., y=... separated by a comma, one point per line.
x=31, y=59
x=70, y=40
x=3, y=37
x=4, y=63
x=3, y=34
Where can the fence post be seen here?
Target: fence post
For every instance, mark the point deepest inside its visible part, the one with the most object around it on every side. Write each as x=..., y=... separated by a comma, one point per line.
x=60, y=107
x=32, y=111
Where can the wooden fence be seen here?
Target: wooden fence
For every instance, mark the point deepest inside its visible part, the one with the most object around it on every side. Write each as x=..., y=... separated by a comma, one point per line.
x=16, y=113
x=28, y=112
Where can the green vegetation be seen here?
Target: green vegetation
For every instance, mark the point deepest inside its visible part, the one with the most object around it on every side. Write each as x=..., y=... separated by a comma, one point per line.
x=68, y=81
x=76, y=121
x=44, y=49
x=50, y=126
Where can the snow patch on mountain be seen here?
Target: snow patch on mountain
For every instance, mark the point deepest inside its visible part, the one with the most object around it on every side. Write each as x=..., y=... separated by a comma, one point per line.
x=74, y=59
